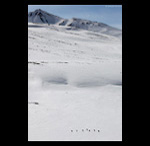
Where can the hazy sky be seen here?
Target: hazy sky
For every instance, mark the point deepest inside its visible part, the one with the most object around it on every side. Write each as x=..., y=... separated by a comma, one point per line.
x=109, y=14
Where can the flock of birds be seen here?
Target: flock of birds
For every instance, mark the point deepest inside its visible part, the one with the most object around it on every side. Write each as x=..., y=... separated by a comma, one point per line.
x=86, y=130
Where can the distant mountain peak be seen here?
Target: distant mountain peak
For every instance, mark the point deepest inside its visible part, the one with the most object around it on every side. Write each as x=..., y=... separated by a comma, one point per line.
x=40, y=16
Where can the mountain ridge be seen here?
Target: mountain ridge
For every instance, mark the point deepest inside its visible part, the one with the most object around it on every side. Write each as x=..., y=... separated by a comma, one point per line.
x=42, y=17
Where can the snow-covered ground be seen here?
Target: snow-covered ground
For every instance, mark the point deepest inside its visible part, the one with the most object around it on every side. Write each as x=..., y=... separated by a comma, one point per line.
x=74, y=84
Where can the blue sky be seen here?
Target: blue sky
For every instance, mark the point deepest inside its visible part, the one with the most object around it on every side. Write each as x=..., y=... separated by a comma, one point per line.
x=109, y=14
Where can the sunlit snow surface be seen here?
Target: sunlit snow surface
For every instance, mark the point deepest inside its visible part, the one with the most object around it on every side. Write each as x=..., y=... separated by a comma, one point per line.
x=74, y=85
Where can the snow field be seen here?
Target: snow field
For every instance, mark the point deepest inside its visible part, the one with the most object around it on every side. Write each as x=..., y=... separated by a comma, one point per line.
x=74, y=84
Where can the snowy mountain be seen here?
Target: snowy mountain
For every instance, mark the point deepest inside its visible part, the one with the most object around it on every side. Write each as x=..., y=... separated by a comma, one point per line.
x=42, y=17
